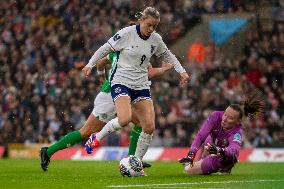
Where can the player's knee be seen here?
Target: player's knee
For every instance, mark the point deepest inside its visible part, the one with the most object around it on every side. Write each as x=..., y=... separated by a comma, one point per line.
x=193, y=170
x=124, y=120
x=190, y=171
x=186, y=169
x=149, y=126
x=148, y=131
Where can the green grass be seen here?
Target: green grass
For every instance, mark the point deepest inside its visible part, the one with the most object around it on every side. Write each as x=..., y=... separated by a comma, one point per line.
x=22, y=174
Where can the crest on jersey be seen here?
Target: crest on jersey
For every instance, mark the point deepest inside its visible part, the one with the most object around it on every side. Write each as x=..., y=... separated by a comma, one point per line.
x=238, y=138
x=117, y=90
x=152, y=49
x=104, y=116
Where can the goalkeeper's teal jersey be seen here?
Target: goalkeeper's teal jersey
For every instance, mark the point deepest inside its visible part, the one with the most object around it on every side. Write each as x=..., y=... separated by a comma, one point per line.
x=106, y=85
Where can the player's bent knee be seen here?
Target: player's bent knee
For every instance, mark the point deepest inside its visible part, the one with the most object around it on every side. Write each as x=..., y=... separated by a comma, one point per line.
x=194, y=170
x=189, y=170
x=186, y=169
x=149, y=128
x=124, y=121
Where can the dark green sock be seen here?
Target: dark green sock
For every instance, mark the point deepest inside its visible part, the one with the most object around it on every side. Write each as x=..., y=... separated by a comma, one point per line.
x=134, y=135
x=68, y=140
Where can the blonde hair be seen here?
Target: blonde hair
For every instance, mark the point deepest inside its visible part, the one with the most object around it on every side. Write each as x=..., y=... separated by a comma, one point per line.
x=151, y=11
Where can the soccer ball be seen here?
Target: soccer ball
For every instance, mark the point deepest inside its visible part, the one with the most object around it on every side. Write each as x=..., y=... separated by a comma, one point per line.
x=131, y=166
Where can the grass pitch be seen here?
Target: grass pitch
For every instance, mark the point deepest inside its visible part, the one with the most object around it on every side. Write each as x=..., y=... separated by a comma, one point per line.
x=22, y=174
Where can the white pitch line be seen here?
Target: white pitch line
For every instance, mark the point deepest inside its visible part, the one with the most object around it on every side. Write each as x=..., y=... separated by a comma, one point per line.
x=185, y=187
x=191, y=183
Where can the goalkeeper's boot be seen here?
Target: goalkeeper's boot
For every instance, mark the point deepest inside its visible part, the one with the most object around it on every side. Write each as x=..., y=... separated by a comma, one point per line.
x=91, y=144
x=44, y=158
x=145, y=165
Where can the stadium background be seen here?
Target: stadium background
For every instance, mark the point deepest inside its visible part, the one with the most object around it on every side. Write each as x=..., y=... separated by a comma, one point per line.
x=44, y=45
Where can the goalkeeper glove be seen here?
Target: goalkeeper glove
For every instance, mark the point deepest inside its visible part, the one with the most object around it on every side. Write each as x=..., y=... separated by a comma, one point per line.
x=213, y=149
x=188, y=159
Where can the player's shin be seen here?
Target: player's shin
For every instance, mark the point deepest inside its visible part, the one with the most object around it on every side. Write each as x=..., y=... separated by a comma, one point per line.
x=134, y=136
x=109, y=128
x=143, y=144
x=68, y=140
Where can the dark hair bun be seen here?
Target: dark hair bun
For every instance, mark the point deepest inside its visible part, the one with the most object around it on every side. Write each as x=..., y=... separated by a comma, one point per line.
x=253, y=104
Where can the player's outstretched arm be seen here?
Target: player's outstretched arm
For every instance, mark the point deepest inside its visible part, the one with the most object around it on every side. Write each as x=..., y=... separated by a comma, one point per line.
x=156, y=72
x=99, y=54
x=171, y=59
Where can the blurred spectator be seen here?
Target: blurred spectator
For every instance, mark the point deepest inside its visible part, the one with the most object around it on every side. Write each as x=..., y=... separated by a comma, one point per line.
x=262, y=139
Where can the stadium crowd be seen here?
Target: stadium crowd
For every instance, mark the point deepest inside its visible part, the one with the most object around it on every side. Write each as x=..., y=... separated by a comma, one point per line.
x=43, y=94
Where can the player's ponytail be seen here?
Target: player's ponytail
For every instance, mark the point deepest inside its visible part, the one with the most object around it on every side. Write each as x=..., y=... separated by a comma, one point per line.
x=251, y=106
x=150, y=12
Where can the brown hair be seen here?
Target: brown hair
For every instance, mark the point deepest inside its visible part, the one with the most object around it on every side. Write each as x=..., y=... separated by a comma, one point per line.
x=151, y=11
x=251, y=106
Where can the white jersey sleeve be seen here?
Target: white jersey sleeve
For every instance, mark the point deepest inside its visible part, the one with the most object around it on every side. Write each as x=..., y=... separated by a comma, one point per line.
x=99, y=54
x=116, y=43
x=165, y=53
x=162, y=47
x=120, y=39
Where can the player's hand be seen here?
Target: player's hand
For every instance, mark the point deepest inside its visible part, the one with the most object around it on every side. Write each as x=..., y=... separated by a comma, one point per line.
x=184, y=78
x=87, y=71
x=167, y=66
x=213, y=149
x=188, y=159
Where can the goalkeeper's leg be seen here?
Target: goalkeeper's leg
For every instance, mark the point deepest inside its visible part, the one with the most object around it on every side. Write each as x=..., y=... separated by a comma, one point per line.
x=210, y=164
x=194, y=169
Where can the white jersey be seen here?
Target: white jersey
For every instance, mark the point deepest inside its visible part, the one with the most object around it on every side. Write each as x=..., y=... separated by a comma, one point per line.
x=134, y=53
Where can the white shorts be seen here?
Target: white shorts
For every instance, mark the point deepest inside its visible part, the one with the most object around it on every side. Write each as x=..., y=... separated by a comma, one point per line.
x=104, y=108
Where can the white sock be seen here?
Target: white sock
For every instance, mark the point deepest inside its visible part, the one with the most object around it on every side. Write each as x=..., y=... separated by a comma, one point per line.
x=143, y=144
x=109, y=128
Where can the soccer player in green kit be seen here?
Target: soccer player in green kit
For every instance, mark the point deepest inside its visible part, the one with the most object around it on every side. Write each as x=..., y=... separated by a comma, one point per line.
x=104, y=110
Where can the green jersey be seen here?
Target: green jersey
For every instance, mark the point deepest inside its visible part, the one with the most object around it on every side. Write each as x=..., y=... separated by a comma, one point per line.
x=106, y=85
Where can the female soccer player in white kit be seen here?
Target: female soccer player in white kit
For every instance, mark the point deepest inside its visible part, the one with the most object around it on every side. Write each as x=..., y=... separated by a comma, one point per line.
x=130, y=85
x=103, y=112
